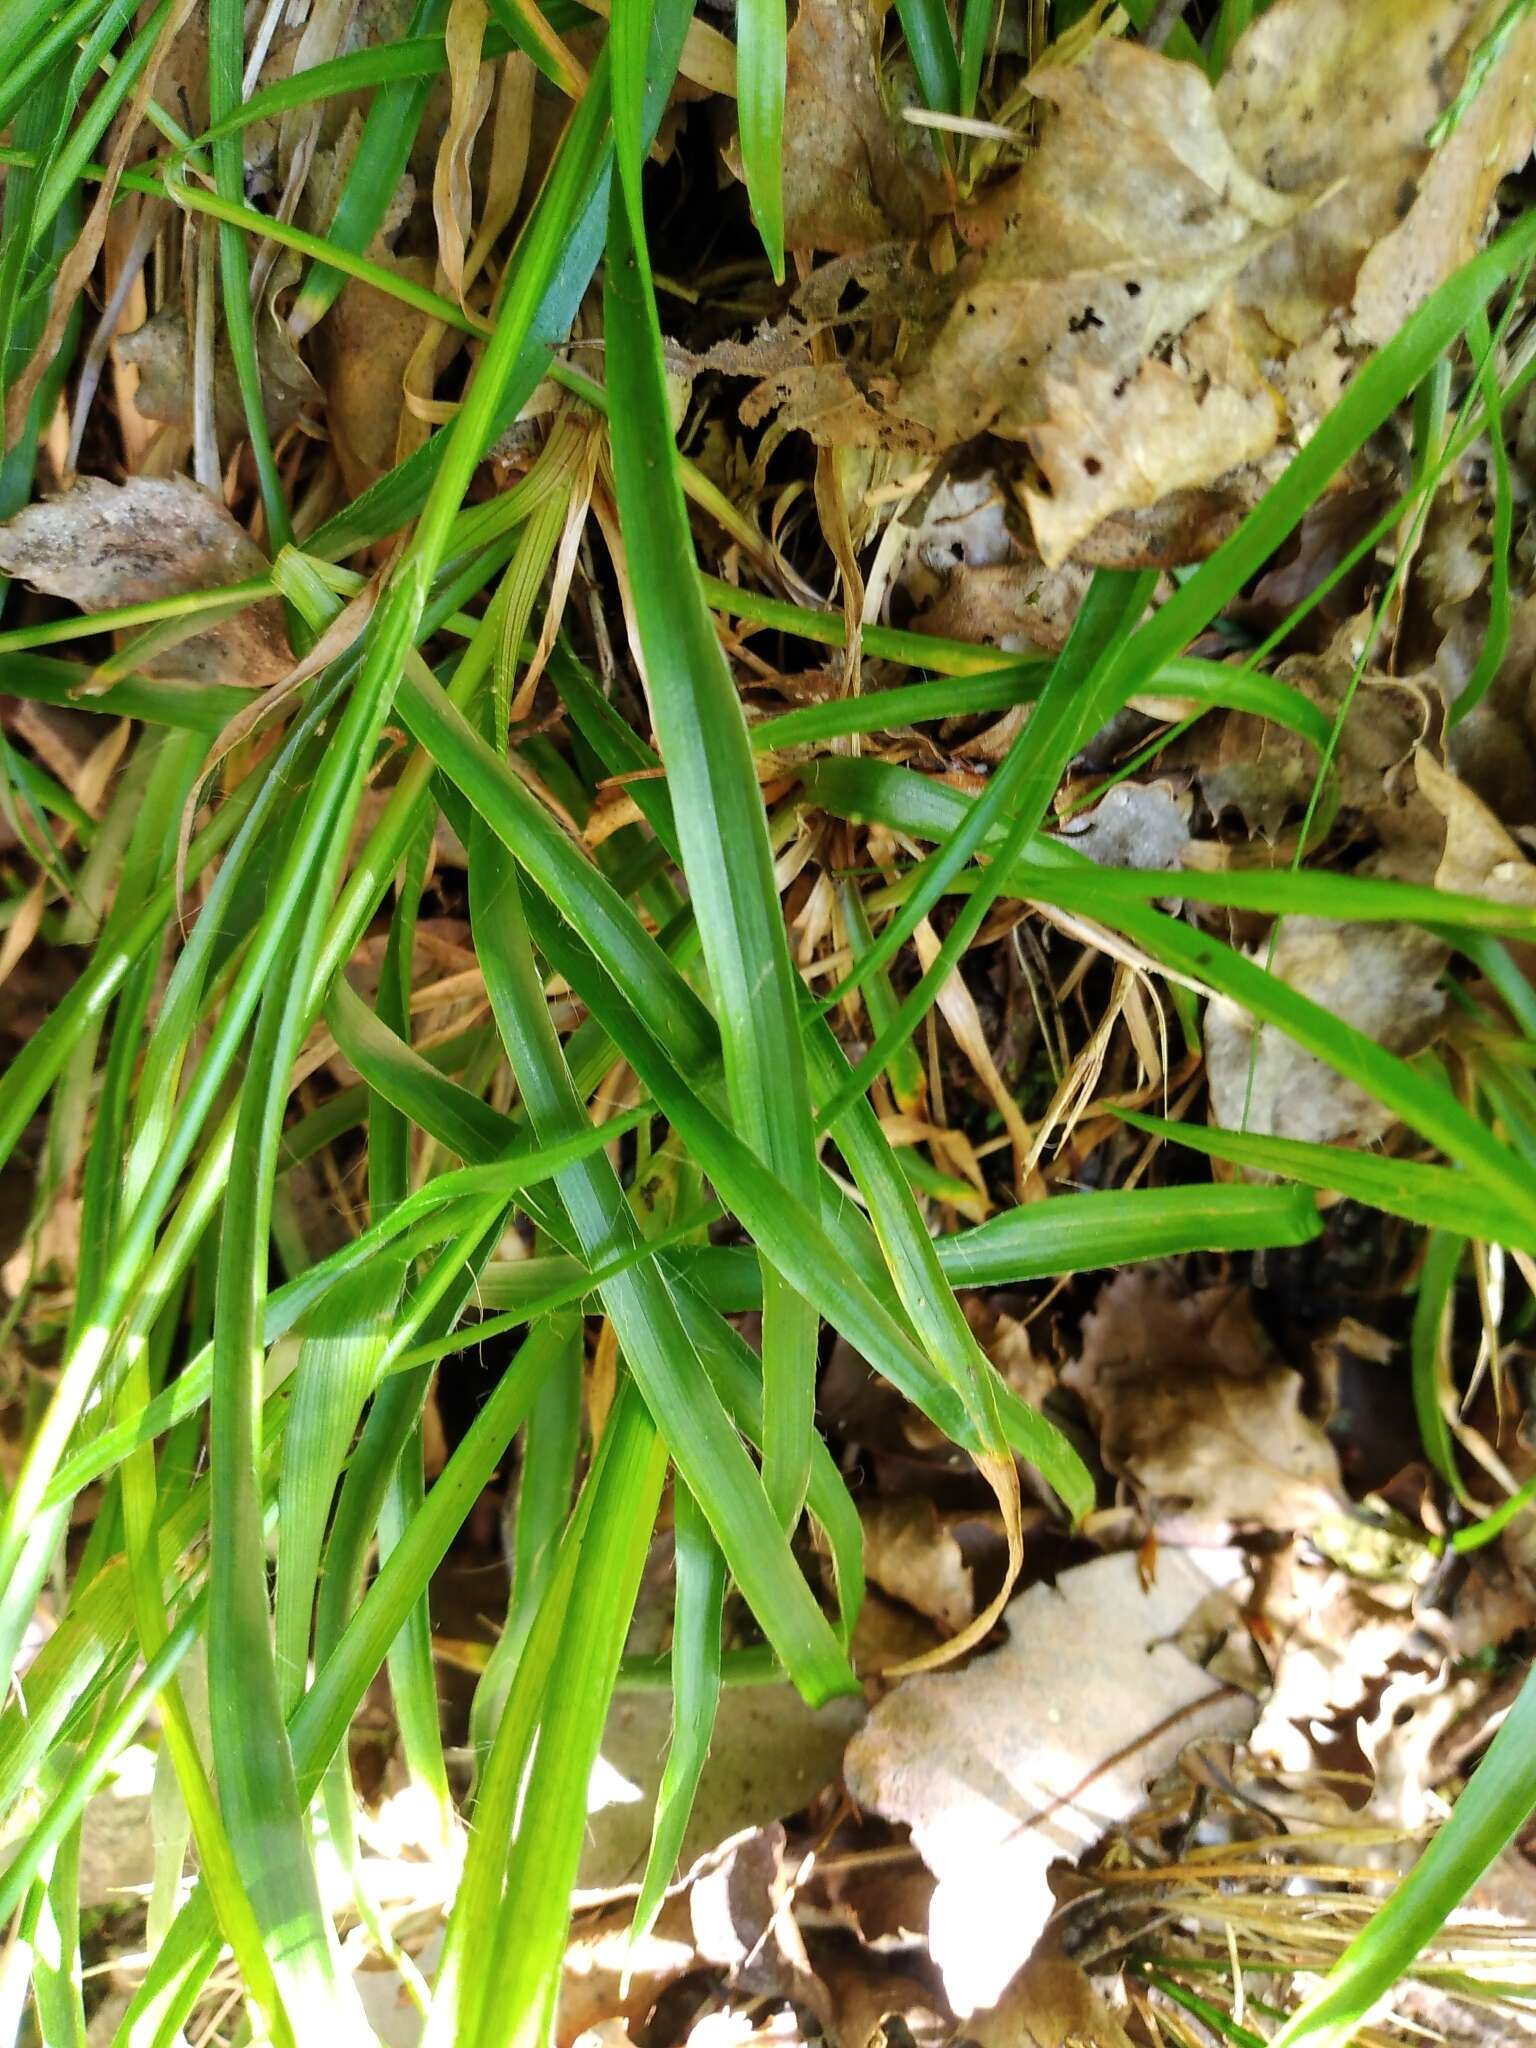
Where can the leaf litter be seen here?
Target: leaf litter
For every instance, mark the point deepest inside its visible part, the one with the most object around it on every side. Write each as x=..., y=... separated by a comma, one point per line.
x=1247, y=1678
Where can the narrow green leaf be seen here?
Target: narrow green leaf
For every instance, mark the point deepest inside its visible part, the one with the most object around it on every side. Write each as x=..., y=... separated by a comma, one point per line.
x=721, y=826
x=931, y=45
x=337, y=1366
x=898, y=797
x=1019, y=792
x=1433, y=1307
x=706, y=1448
x=1436, y=1196
x=761, y=57
x=698, y=1616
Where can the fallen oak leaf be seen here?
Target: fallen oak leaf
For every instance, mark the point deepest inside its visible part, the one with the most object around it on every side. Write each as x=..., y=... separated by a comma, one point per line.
x=1030, y=1753
x=1124, y=226
x=1186, y=258
x=1111, y=443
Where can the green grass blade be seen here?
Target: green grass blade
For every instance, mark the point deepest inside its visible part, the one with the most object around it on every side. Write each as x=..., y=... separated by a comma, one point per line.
x=1436, y=1196
x=1501, y=535
x=1019, y=792
x=1424, y=1103
x=976, y=18
x=383, y=149
x=698, y=1434
x=546, y=1481
x=799, y=1245
x=320, y=1722
x=931, y=46
x=735, y=1372
x=1373, y=396
x=721, y=826
x=521, y=1966
x=337, y=1367
x=761, y=57
x=699, y=1614
x=87, y=1771
x=1073, y=1233
x=226, y=61
x=1432, y=1310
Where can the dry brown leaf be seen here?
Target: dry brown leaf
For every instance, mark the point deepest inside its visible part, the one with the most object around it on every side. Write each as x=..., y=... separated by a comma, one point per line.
x=1018, y=606
x=1112, y=443
x=103, y=544
x=877, y=2007
x=1193, y=1412
x=912, y=1553
x=1480, y=857
x=849, y=181
x=959, y=1010
x=1123, y=227
x=1030, y=1753
x=1333, y=1641
x=470, y=86
x=609, y=1976
x=1050, y=2004
x=365, y=347
x=159, y=351
x=75, y=269
x=1168, y=285
x=1006, y=1341
x=1379, y=978
x=1383, y=73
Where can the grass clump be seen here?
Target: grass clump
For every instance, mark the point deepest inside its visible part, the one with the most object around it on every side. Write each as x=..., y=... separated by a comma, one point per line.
x=682, y=1103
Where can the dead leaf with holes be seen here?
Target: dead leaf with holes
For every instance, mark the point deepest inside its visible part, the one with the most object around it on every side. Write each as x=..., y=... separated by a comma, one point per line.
x=102, y=544
x=1033, y=1751
x=1178, y=281
x=1193, y=1411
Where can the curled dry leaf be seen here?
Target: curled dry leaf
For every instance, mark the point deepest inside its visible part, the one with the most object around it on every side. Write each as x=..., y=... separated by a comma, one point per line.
x=103, y=544
x=850, y=178
x=1029, y=1754
x=913, y=1553
x=1191, y=1410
